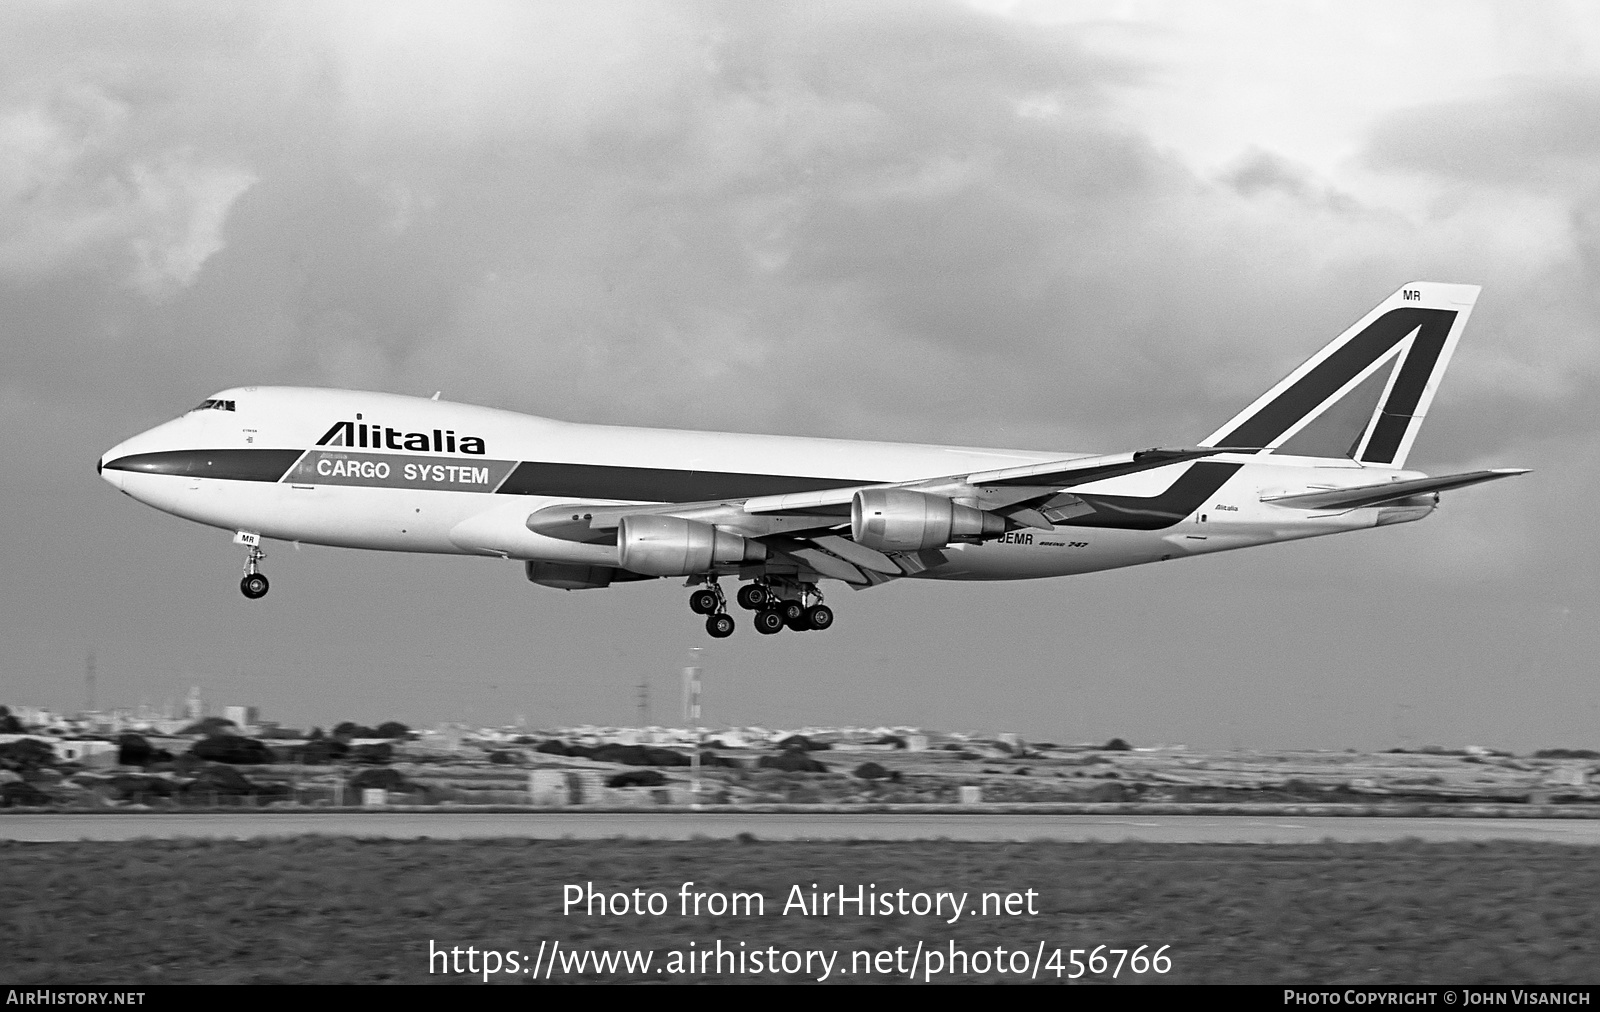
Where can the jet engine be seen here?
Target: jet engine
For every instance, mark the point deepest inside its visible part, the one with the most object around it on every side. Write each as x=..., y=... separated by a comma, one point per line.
x=673, y=546
x=900, y=520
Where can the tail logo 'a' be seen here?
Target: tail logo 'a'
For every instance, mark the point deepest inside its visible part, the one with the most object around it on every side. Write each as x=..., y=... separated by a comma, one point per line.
x=1363, y=396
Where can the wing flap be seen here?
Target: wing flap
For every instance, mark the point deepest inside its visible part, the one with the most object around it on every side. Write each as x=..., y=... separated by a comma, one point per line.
x=828, y=565
x=858, y=555
x=1387, y=492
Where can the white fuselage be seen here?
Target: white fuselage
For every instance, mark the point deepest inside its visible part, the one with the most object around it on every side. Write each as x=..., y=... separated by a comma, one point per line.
x=408, y=474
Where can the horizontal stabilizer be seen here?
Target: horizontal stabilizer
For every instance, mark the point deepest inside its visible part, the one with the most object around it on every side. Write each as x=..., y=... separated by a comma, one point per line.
x=1388, y=492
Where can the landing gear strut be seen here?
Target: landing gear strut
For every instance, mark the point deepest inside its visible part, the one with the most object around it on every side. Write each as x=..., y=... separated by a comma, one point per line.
x=254, y=585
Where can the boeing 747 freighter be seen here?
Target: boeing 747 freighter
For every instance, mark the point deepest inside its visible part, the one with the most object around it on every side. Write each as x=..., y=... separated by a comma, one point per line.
x=585, y=506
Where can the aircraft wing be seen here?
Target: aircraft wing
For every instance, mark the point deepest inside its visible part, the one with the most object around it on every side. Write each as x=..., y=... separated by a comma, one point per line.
x=813, y=528
x=1387, y=492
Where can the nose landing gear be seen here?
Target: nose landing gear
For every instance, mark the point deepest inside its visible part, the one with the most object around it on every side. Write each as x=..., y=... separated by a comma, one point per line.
x=254, y=585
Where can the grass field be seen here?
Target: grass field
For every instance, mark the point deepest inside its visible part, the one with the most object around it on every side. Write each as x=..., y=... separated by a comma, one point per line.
x=335, y=910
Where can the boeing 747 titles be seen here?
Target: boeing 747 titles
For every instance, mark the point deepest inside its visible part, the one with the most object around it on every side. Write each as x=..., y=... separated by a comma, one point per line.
x=586, y=506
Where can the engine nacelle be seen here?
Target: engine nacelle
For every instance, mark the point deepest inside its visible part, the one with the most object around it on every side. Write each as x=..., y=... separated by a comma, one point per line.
x=900, y=520
x=673, y=546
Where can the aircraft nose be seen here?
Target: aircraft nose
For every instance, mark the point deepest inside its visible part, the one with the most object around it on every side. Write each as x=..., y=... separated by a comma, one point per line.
x=111, y=474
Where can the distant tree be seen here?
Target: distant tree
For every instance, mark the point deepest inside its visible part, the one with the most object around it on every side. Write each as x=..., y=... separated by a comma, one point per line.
x=792, y=761
x=1116, y=745
x=319, y=752
x=800, y=743
x=392, y=729
x=500, y=757
x=380, y=754
x=22, y=794
x=214, y=779
x=637, y=755
x=132, y=750
x=231, y=749
x=316, y=734
x=349, y=729
x=210, y=726
x=10, y=724
x=25, y=755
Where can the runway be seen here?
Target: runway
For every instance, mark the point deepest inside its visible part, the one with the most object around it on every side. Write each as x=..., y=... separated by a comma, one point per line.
x=680, y=825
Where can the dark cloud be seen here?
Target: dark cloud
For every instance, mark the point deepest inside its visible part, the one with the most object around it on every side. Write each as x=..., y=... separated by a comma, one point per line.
x=1261, y=172
x=923, y=210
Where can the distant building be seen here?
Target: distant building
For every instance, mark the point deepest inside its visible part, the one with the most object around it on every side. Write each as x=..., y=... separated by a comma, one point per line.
x=34, y=716
x=245, y=718
x=90, y=753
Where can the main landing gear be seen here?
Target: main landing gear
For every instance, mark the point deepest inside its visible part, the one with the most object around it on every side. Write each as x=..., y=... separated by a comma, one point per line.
x=708, y=601
x=778, y=603
x=254, y=585
x=788, y=603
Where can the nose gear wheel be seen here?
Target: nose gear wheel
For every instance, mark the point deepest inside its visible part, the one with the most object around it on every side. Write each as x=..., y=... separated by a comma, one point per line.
x=254, y=585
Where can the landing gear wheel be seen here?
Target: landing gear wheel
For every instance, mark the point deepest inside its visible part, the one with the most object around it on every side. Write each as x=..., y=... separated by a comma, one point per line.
x=254, y=586
x=819, y=617
x=720, y=626
x=793, y=613
x=768, y=621
x=703, y=602
x=752, y=597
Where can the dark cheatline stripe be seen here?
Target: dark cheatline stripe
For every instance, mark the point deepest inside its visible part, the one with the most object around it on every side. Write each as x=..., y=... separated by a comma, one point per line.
x=1138, y=513
x=1339, y=368
x=656, y=484
x=232, y=465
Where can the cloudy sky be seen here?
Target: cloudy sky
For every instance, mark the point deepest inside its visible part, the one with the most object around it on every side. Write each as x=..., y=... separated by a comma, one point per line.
x=1075, y=226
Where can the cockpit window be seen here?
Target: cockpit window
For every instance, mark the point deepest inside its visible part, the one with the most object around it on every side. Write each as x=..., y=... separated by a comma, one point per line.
x=212, y=404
